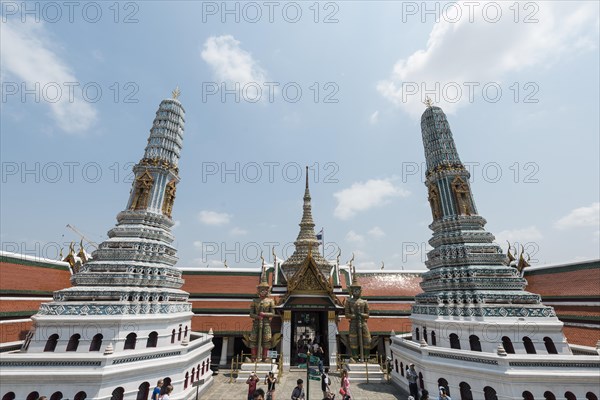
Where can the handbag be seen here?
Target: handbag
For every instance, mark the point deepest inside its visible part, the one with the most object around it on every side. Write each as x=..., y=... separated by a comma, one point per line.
x=342, y=392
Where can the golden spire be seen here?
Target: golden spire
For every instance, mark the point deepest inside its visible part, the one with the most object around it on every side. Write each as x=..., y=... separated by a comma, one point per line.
x=176, y=93
x=428, y=102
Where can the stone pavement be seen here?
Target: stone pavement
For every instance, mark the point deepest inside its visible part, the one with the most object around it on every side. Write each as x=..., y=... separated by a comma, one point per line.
x=223, y=390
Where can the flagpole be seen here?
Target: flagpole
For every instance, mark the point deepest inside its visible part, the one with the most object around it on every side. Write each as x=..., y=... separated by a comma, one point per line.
x=323, y=237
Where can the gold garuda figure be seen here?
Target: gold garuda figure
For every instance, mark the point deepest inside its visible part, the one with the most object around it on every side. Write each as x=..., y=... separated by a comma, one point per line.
x=357, y=310
x=262, y=311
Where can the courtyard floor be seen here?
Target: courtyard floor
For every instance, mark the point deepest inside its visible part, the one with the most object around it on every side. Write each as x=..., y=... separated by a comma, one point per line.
x=223, y=390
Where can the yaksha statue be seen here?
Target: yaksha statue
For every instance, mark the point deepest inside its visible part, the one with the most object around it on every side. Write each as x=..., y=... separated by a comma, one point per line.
x=261, y=312
x=357, y=310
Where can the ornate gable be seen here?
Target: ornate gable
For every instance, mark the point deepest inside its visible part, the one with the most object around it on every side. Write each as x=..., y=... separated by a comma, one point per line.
x=309, y=280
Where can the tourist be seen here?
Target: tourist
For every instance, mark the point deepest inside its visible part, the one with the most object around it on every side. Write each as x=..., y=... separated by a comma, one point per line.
x=345, y=389
x=298, y=393
x=443, y=394
x=424, y=395
x=157, y=390
x=270, y=381
x=42, y=398
x=258, y=394
x=325, y=382
x=412, y=377
x=252, y=381
x=167, y=394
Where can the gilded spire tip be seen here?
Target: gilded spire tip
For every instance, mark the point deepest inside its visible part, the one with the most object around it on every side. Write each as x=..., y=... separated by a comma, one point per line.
x=428, y=102
x=175, y=93
x=307, y=176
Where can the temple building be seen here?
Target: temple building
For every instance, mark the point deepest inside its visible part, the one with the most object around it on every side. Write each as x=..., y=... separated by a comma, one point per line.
x=110, y=324
x=123, y=323
x=475, y=331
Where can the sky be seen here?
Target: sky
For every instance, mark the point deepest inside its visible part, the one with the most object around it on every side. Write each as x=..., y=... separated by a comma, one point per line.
x=271, y=87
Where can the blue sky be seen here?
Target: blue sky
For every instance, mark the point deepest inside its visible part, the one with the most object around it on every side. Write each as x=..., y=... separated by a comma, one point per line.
x=362, y=69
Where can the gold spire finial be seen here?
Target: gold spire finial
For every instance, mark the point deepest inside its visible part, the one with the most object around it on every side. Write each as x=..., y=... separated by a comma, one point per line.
x=428, y=102
x=306, y=177
x=176, y=93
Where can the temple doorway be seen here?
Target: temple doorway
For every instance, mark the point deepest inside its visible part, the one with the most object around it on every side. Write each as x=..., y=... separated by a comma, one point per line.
x=308, y=327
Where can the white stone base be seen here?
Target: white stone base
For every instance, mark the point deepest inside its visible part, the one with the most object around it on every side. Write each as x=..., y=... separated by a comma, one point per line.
x=262, y=369
x=358, y=373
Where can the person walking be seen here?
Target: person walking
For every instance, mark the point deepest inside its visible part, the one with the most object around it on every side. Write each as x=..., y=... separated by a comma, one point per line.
x=167, y=395
x=443, y=394
x=270, y=381
x=345, y=389
x=298, y=392
x=157, y=390
x=412, y=377
x=325, y=382
x=252, y=382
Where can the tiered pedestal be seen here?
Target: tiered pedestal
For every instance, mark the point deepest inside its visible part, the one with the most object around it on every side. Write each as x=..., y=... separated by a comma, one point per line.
x=262, y=369
x=357, y=373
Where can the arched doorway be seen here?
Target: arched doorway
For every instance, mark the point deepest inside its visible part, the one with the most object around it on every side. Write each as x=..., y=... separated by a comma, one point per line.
x=117, y=394
x=465, y=391
x=527, y=396
x=550, y=347
x=454, y=341
x=9, y=396
x=51, y=343
x=489, y=393
x=143, y=391
x=33, y=396
x=529, y=347
x=507, y=344
x=56, y=396
x=549, y=396
x=80, y=396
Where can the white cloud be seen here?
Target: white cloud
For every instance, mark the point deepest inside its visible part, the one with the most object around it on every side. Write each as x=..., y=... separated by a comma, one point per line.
x=522, y=236
x=374, y=118
x=354, y=237
x=362, y=196
x=238, y=231
x=376, y=232
x=482, y=52
x=214, y=218
x=581, y=217
x=232, y=64
x=28, y=56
